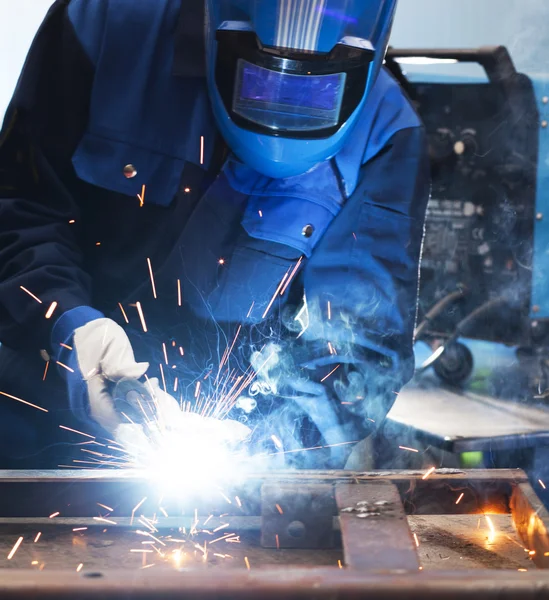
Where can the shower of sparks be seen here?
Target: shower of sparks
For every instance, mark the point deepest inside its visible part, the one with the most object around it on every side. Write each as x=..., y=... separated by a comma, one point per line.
x=123, y=313
x=76, y=431
x=460, y=498
x=416, y=540
x=409, y=449
x=79, y=567
x=23, y=401
x=151, y=274
x=178, y=292
x=542, y=484
x=141, y=316
x=429, y=472
x=329, y=374
x=51, y=310
x=37, y=537
x=201, y=149
x=245, y=560
x=31, y=294
x=15, y=548
x=64, y=366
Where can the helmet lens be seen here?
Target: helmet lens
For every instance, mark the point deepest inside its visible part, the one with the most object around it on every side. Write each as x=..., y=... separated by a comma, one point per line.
x=286, y=101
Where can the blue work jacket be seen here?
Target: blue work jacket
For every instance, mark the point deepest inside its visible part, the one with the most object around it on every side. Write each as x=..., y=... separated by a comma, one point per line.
x=116, y=189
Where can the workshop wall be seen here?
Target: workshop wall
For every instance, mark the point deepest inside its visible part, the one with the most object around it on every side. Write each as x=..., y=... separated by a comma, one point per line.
x=519, y=24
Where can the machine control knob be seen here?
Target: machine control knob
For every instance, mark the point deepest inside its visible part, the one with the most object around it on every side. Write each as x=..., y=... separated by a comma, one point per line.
x=466, y=145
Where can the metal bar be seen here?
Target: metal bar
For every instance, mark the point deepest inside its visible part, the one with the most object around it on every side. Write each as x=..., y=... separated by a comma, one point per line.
x=531, y=521
x=272, y=584
x=297, y=516
x=374, y=528
x=76, y=493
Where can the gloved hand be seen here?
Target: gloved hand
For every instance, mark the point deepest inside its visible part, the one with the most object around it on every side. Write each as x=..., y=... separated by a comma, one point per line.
x=101, y=355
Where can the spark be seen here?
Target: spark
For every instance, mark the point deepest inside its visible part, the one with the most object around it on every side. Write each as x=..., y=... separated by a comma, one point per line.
x=197, y=389
x=179, y=292
x=55, y=514
x=224, y=526
x=67, y=347
x=80, y=529
x=123, y=313
x=105, y=520
x=292, y=275
x=23, y=401
x=79, y=567
x=277, y=542
x=175, y=384
x=163, y=511
x=542, y=484
x=279, y=508
x=141, y=316
x=152, y=277
x=223, y=537
x=245, y=560
x=201, y=149
x=431, y=470
x=31, y=294
x=34, y=562
x=416, y=540
x=76, y=431
x=354, y=235
x=532, y=553
x=181, y=351
x=142, y=195
x=51, y=310
x=37, y=536
x=64, y=366
x=105, y=507
x=72, y=222
x=250, y=311
x=165, y=353
x=409, y=449
x=187, y=190
x=522, y=570
x=141, y=550
x=275, y=295
x=163, y=378
x=460, y=497
x=228, y=500
x=330, y=373
x=277, y=442
x=260, y=214
x=238, y=502
x=329, y=310
x=14, y=549
x=490, y=524
x=339, y=564
x=46, y=370
x=98, y=243
x=221, y=261
x=137, y=507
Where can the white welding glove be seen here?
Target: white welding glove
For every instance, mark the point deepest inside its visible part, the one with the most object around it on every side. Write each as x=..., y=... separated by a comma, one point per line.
x=102, y=354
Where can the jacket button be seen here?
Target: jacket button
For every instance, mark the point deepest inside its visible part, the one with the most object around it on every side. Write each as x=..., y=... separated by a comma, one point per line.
x=130, y=171
x=307, y=231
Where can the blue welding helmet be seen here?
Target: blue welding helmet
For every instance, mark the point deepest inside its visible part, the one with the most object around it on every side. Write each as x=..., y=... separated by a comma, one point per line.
x=288, y=79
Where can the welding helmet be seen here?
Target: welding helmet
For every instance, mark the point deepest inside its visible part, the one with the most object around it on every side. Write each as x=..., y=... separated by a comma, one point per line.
x=288, y=79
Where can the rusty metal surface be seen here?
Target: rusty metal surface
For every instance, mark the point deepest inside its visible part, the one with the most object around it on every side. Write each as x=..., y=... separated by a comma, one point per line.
x=275, y=584
x=75, y=493
x=297, y=515
x=531, y=521
x=374, y=529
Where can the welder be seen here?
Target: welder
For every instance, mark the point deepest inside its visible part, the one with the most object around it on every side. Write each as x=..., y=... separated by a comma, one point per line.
x=193, y=189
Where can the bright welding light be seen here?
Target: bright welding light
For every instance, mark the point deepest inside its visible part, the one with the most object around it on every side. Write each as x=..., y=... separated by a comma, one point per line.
x=195, y=457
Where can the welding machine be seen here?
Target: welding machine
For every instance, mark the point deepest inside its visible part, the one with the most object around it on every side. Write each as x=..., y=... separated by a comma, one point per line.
x=485, y=268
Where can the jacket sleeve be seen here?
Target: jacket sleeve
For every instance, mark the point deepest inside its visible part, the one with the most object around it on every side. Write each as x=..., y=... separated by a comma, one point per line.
x=39, y=218
x=361, y=285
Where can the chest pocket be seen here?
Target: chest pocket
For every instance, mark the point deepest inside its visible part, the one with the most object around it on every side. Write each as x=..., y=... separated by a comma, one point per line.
x=281, y=223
